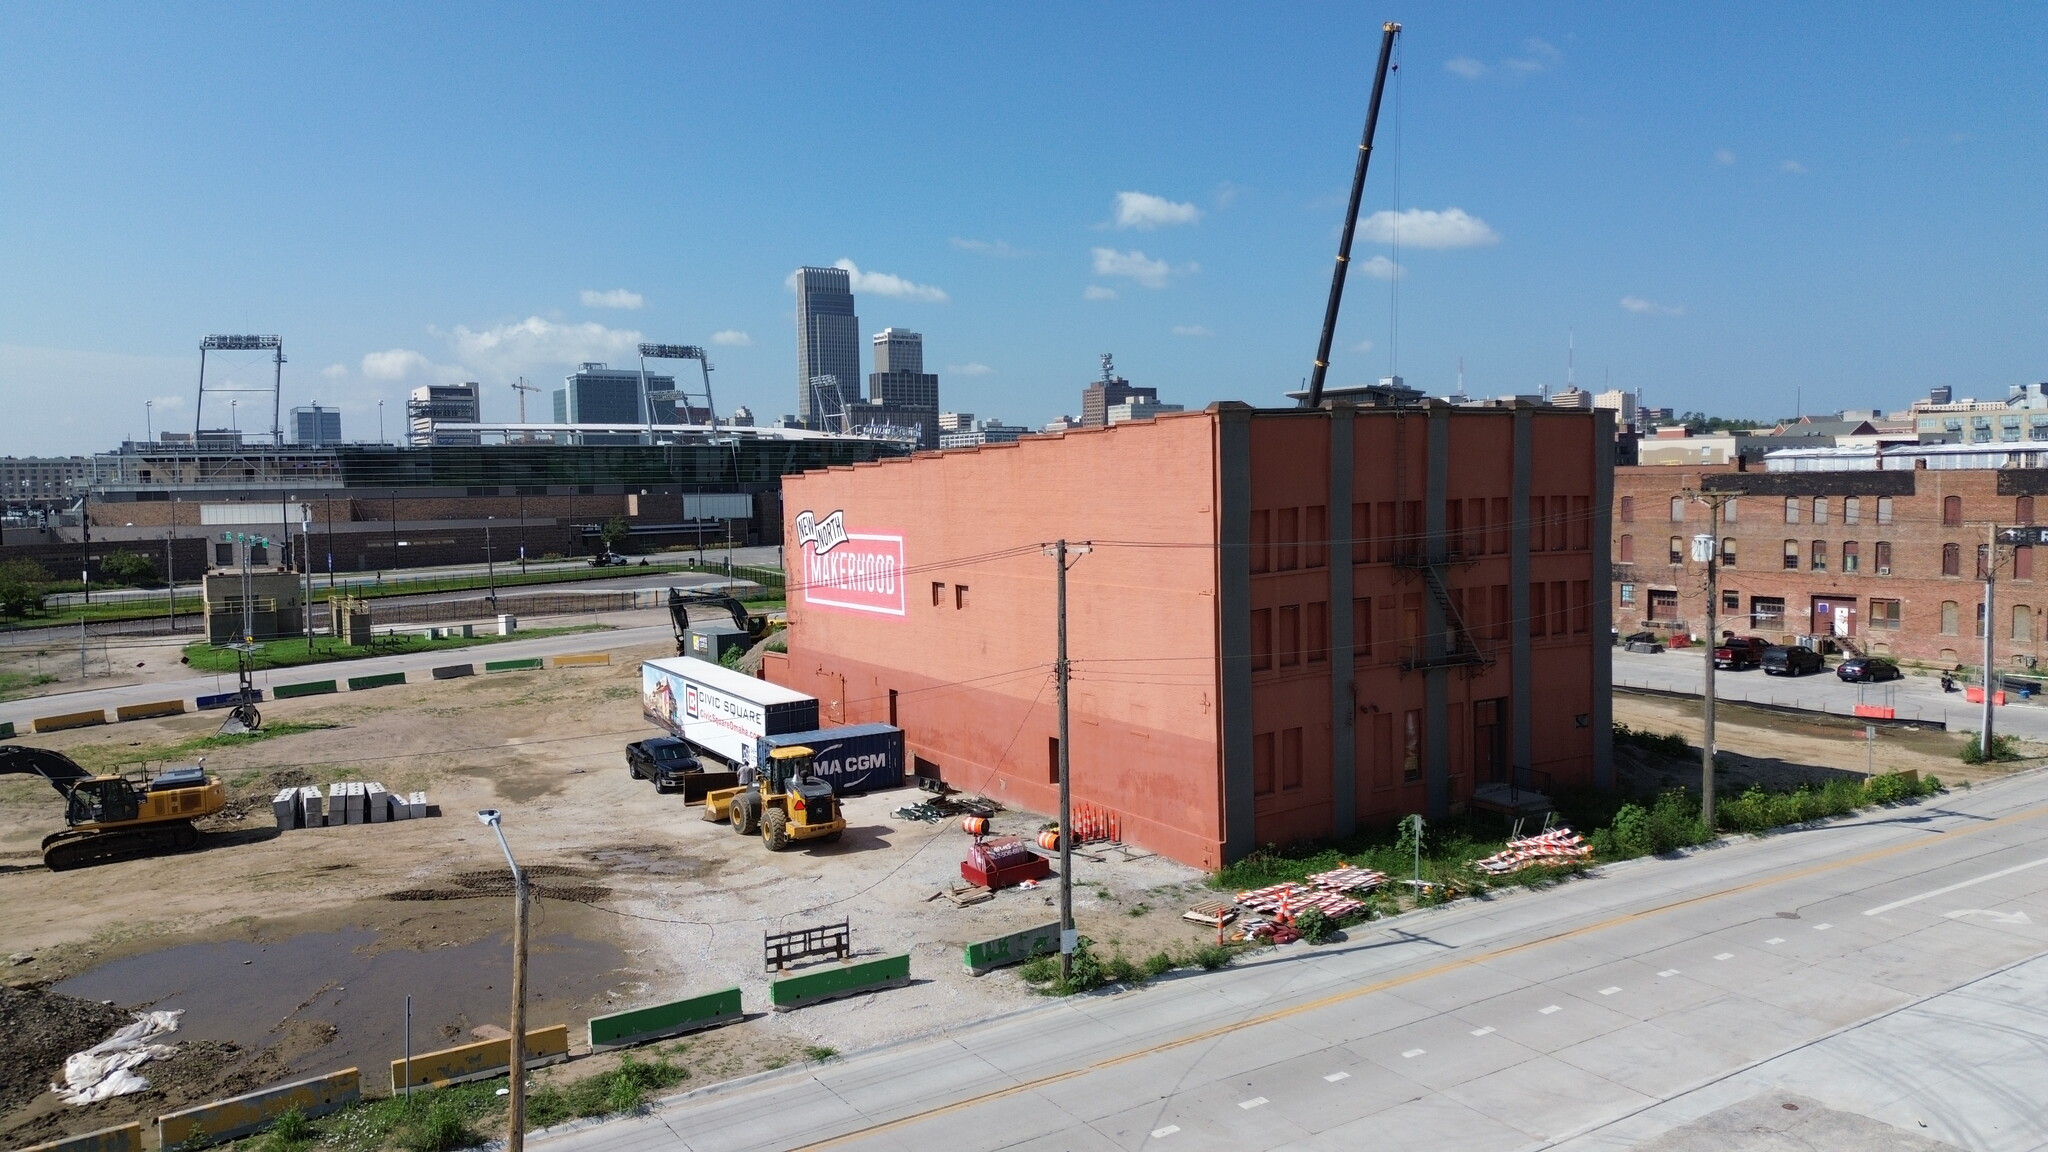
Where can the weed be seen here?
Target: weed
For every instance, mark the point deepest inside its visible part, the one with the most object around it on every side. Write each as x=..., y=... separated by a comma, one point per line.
x=819, y=1053
x=1158, y=964
x=444, y=1128
x=774, y=1062
x=1314, y=926
x=1667, y=744
x=2002, y=748
x=1040, y=970
x=623, y=1089
x=1137, y=910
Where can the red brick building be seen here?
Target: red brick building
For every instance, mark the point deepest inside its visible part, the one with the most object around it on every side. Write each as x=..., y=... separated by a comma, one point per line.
x=1887, y=561
x=1291, y=623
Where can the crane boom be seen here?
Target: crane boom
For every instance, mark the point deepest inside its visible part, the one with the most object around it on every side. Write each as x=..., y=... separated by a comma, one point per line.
x=1372, y=120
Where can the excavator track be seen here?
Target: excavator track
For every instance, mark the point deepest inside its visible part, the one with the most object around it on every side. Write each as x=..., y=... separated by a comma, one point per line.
x=84, y=847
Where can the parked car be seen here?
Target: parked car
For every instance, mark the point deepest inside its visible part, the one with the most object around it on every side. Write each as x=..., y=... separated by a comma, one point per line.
x=662, y=759
x=1791, y=660
x=1868, y=669
x=607, y=560
x=1738, y=652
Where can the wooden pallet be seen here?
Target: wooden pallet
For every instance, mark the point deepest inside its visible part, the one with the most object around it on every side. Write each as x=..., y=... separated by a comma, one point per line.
x=1214, y=913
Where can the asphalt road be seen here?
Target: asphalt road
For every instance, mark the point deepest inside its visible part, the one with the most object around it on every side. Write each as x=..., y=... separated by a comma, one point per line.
x=1915, y=697
x=1881, y=975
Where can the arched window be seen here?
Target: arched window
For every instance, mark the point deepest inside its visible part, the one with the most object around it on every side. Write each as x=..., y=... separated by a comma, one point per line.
x=1727, y=551
x=1820, y=509
x=1951, y=560
x=1628, y=549
x=1791, y=509
x=1677, y=509
x=1852, y=509
x=1852, y=556
x=2023, y=509
x=2023, y=623
x=1791, y=555
x=1951, y=620
x=1820, y=555
x=1952, y=510
x=1678, y=550
x=1884, y=509
x=1883, y=557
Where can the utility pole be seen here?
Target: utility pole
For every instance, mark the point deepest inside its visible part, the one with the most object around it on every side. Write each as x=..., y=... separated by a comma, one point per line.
x=1984, y=743
x=1707, y=548
x=1062, y=673
x=306, y=565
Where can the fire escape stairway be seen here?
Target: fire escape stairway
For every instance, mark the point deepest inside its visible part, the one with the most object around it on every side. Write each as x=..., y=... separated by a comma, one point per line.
x=1461, y=648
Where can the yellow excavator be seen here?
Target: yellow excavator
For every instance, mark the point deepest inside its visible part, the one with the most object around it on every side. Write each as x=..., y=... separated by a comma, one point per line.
x=117, y=817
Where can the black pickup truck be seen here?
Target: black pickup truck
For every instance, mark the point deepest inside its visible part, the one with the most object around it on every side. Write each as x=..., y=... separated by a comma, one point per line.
x=662, y=759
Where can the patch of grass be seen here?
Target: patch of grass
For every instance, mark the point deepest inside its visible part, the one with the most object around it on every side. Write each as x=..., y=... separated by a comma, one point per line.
x=1090, y=970
x=1757, y=810
x=293, y=653
x=1667, y=744
x=269, y=731
x=819, y=1053
x=13, y=684
x=2002, y=748
x=623, y=1089
x=430, y=1120
x=1137, y=910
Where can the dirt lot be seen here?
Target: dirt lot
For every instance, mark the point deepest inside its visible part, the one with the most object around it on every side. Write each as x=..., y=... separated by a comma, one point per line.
x=298, y=949
x=1781, y=750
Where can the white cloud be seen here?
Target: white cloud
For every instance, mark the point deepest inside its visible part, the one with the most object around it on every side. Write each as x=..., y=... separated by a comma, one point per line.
x=1424, y=228
x=334, y=371
x=986, y=247
x=1226, y=194
x=885, y=284
x=166, y=403
x=616, y=298
x=1098, y=292
x=1362, y=346
x=1644, y=307
x=1191, y=330
x=1723, y=157
x=1465, y=66
x=1133, y=264
x=1144, y=211
x=396, y=364
x=1537, y=56
x=1794, y=167
x=975, y=369
x=1381, y=268
x=732, y=338
x=535, y=343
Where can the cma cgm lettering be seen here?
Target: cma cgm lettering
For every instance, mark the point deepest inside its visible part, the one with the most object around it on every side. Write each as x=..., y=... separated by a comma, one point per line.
x=855, y=571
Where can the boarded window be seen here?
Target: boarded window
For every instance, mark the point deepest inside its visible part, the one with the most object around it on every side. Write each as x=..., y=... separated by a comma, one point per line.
x=2023, y=510
x=1560, y=608
x=1952, y=511
x=2023, y=563
x=1951, y=618
x=1560, y=523
x=1503, y=614
x=1500, y=526
x=1386, y=536
x=1411, y=746
x=1316, y=544
x=1318, y=638
x=1791, y=509
x=1290, y=635
x=1475, y=526
x=1454, y=525
x=1951, y=559
x=1677, y=509
x=1262, y=542
x=1290, y=759
x=2023, y=623
x=1262, y=639
x=1287, y=539
x=1884, y=509
x=1262, y=764
x=1881, y=555
x=1628, y=509
x=1382, y=751
x=1728, y=511
x=1361, y=533
x=1628, y=549
x=1582, y=523
x=1582, y=606
x=1539, y=616
x=1361, y=628
x=1820, y=509
x=1884, y=614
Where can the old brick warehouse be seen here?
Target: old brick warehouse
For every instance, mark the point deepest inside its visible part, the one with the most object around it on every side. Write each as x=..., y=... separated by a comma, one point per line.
x=1291, y=623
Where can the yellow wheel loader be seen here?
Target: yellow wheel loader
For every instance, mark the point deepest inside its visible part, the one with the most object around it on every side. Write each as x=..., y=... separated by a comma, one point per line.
x=784, y=802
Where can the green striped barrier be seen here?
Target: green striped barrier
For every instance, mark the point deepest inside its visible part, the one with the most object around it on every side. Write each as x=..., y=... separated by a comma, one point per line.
x=840, y=980
x=7, y=729
x=380, y=680
x=309, y=688
x=525, y=665
x=988, y=955
x=454, y=671
x=671, y=1019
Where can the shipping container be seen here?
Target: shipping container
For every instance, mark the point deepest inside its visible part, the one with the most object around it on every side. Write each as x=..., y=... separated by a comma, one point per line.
x=720, y=711
x=855, y=759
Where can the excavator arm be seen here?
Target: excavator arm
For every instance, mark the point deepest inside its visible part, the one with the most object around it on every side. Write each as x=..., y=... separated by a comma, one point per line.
x=60, y=770
x=679, y=603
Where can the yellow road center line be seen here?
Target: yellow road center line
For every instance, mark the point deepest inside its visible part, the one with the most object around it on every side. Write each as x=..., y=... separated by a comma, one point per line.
x=1409, y=978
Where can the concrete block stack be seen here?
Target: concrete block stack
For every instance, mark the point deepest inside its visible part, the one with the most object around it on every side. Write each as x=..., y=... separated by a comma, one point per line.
x=346, y=802
x=285, y=807
x=378, y=802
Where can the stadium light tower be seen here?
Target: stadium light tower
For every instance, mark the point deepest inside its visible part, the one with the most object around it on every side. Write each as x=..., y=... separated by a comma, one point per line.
x=676, y=352
x=244, y=344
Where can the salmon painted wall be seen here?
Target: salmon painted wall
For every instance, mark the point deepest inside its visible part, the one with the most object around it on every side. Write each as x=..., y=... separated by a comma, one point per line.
x=964, y=633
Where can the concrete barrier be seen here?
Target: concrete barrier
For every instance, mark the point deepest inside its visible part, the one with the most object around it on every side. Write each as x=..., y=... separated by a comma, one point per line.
x=309, y=688
x=527, y=664
x=838, y=980
x=671, y=1019
x=483, y=1059
x=584, y=660
x=7, y=730
x=454, y=671
x=241, y=1115
x=69, y=720
x=150, y=711
x=119, y=1138
x=989, y=955
x=227, y=699
x=380, y=680
x=1876, y=712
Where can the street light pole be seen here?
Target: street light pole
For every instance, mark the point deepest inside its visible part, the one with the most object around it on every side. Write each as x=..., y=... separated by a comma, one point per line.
x=490, y=564
x=515, y=1136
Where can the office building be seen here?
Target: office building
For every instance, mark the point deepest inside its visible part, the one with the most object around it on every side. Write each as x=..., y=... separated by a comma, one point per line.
x=437, y=404
x=1139, y=409
x=599, y=394
x=45, y=480
x=990, y=431
x=1109, y=389
x=1371, y=612
x=900, y=391
x=827, y=345
x=316, y=426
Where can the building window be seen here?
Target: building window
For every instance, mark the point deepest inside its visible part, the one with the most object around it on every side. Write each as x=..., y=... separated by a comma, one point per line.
x=1475, y=527
x=2023, y=624
x=1411, y=747
x=1852, y=556
x=1386, y=544
x=1318, y=542
x=1820, y=509
x=1952, y=511
x=1560, y=615
x=1820, y=556
x=2023, y=562
x=1884, y=509
x=1791, y=555
x=1539, y=613
x=1582, y=523
x=223, y=554
x=1628, y=509
x=1318, y=632
x=1727, y=551
x=1503, y=614
x=1664, y=604
x=1290, y=759
x=1262, y=541
x=1977, y=629
x=1500, y=526
x=1262, y=639
x=1884, y=614
x=1728, y=511
x=1628, y=596
x=1951, y=618
x=1883, y=557
x=1287, y=535
x=959, y=596
x=1290, y=635
x=1677, y=550
x=1983, y=561
x=1951, y=560
x=938, y=593
x=1582, y=606
x=1454, y=526
x=1262, y=764
x=1731, y=601
x=1052, y=759
x=1791, y=509
x=1361, y=628
x=1677, y=509
x=1361, y=533
x=2023, y=510
x=1852, y=510
x=1767, y=613
x=1628, y=549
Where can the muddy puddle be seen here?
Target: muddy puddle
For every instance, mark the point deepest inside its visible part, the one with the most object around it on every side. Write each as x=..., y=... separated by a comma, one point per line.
x=331, y=1000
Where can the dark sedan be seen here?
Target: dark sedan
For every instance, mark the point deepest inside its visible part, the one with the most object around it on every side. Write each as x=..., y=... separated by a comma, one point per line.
x=1869, y=670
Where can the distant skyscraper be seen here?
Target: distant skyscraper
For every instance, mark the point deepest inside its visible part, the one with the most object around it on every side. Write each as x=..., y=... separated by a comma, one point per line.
x=1109, y=389
x=436, y=404
x=902, y=392
x=316, y=426
x=827, y=344
x=598, y=394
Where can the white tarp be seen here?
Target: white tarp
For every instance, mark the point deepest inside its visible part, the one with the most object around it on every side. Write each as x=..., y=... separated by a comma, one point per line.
x=107, y=1068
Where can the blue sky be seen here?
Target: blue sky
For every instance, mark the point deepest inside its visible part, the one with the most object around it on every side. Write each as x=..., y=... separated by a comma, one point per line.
x=1724, y=204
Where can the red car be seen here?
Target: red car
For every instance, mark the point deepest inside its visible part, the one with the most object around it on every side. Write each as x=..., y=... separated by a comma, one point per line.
x=1738, y=652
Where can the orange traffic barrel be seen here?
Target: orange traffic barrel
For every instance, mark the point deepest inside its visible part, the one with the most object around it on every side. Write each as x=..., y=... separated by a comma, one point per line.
x=1049, y=839
x=974, y=825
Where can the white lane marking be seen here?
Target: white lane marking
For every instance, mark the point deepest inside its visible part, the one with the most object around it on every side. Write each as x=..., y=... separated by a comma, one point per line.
x=1772, y=940
x=1163, y=1133
x=1486, y=1031
x=1881, y=909
x=1610, y=991
x=1822, y=927
x=1254, y=1102
x=1336, y=1076
x=1668, y=972
x=1725, y=956
x=2001, y=917
x=1549, y=1010
x=1411, y=1054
